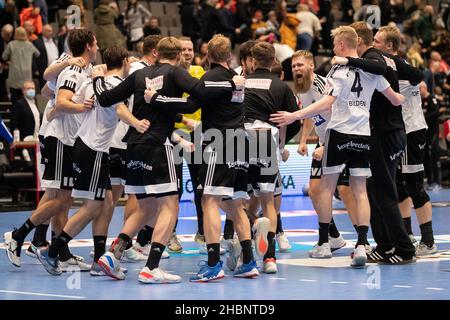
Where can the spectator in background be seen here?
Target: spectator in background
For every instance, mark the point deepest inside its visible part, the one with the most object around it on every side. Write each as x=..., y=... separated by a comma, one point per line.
x=19, y=54
x=243, y=21
x=347, y=11
x=432, y=162
x=313, y=5
x=190, y=21
x=136, y=16
x=414, y=56
x=32, y=14
x=25, y=115
x=227, y=22
x=327, y=20
x=42, y=4
x=201, y=58
x=9, y=14
x=6, y=36
x=29, y=28
x=48, y=50
x=257, y=22
x=209, y=16
x=152, y=27
x=398, y=13
x=272, y=24
x=308, y=28
x=422, y=27
x=288, y=27
x=107, y=33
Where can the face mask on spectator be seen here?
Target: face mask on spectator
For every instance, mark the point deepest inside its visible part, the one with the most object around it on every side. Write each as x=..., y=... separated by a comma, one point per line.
x=31, y=93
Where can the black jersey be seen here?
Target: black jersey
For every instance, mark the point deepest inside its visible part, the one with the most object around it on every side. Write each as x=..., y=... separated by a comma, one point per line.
x=170, y=82
x=221, y=113
x=265, y=94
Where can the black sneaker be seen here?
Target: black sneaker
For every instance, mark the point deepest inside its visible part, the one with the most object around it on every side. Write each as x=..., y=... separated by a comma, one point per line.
x=376, y=255
x=396, y=259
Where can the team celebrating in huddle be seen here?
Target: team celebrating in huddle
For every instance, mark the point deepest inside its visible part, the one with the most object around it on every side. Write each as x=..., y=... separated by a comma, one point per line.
x=112, y=129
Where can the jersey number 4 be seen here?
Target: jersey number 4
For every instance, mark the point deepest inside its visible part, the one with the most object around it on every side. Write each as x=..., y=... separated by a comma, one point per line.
x=356, y=87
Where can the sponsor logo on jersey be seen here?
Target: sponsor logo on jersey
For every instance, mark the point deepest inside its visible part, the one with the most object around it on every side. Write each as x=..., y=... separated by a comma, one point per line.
x=258, y=84
x=354, y=146
x=136, y=164
x=157, y=83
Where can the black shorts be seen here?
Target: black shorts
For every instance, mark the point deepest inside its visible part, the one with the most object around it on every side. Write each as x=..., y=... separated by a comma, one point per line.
x=58, y=172
x=346, y=150
x=42, y=148
x=91, y=172
x=117, y=166
x=316, y=172
x=224, y=172
x=151, y=170
x=264, y=162
x=412, y=160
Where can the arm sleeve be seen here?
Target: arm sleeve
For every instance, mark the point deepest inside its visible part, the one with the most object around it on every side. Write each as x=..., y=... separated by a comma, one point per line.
x=374, y=64
x=69, y=80
x=171, y=104
x=408, y=72
x=382, y=84
x=334, y=86
x=7, y=53
x=119, y=93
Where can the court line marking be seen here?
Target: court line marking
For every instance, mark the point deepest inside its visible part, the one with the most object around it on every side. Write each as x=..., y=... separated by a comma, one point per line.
x=339, y=282
x=436, y=289
x=401, y=286
x=275, y=278
x=307, y=280
x=41, y=294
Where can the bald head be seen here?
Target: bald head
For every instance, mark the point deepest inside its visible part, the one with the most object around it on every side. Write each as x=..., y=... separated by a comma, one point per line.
x=47, y=31
x=7, y=32
x=28, y=27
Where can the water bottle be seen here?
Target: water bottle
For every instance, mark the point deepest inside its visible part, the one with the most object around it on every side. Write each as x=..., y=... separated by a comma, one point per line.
x=238, y=96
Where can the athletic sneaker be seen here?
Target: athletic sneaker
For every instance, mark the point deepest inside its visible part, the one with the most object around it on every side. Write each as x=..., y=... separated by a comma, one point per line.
x=202, y=249
x=207, y=273
x=359, y=257
x=396, y=259
x=96, y=271
x=111, y=266
x=423, y=250
x=283, y=242
x=321, y=252
x=13, y=249
x=336, y=243
x=174, y=244
x=199, y=238
x=368, y=249
x=224, y=243
x=248, y=270
x=157, y=276
x=234, y=252
x=32, y=249
x=132, y=255
x=145, y=250
x=260, y=230
x=270, y=266
x=376, y=255
x=50, y=264
x=74, y=263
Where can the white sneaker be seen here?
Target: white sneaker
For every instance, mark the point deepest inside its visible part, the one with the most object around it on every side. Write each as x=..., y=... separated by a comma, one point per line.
x=283, y=242
x=202, y=249
x=132, y=255
x=336, y=243
x=261, y=229
x=234, y=252
x=359, y=257
x=96, y=271
x=422, y=250
x=111, y=266
x=73, y=264
x=200, y=239
x=270, y=266
x=174, y=244
x=156, y=276
x=321, y=252
x=13, y=249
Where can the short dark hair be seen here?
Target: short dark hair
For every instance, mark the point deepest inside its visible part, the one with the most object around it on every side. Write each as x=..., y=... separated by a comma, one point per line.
x=78, y=39
x=264, y=54
x=114, y=56
x=363, y=31
x=150, y=43
x=244, y=49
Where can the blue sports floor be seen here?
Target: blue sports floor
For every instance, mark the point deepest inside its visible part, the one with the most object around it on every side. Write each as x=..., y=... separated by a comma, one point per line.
x=298, y=277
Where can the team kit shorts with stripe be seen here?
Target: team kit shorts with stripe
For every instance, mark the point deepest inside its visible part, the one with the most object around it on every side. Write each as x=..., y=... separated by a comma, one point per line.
x=316, y=172
x=118, y=166
x=224, y=171
x=264, y=162
x=412, y=160
x=57, y=159
x=91, y=170
x=346, y=151
x=151, y=170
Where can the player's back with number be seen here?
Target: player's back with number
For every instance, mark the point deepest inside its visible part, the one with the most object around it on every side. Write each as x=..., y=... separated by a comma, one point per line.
x=353, y=89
